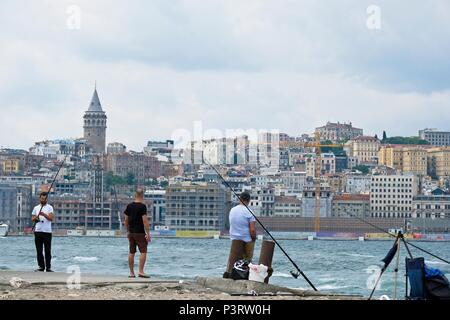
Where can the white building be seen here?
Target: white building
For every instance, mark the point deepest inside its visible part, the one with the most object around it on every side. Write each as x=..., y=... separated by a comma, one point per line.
x=294, y=182
x=435, y=137
x=158, y=197
x=391, y=196
x=58, y=147
x=309, y=202
x=265, y=180
x=357, y=183
x=262, y=201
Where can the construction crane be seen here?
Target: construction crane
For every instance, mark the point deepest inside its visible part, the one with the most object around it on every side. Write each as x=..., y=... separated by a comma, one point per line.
x=317, y=174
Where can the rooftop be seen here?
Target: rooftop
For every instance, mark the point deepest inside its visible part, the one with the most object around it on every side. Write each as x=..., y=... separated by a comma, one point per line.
x=338, y=125
x=352, y=197
x=95, y=105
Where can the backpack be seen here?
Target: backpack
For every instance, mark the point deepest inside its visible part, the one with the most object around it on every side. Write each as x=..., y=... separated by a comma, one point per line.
x=436, y=284
x=240, y=270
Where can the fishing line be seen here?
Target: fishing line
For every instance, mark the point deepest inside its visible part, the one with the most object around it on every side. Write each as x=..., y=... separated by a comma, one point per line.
x=406, y=241
x=50, y=188
x=294, y=274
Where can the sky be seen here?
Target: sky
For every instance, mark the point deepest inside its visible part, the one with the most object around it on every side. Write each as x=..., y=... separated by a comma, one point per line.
x=161, y=66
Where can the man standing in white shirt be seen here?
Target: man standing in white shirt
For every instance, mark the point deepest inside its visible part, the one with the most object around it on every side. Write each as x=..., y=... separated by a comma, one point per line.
x=242, y=225
x=42, y=216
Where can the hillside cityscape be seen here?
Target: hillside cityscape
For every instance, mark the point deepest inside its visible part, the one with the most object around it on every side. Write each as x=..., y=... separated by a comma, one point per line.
x=398, y=182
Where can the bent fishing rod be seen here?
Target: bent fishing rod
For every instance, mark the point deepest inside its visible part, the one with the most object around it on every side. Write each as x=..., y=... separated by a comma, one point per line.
x=403, y=239
x=49, y=189
x=299, y=271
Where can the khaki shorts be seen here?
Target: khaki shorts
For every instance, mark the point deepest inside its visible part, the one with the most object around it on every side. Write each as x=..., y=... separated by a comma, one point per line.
x=248, y=250
x=137, y=239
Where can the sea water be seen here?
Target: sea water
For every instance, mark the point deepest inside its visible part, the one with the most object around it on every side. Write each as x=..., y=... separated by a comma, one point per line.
x=348, y=267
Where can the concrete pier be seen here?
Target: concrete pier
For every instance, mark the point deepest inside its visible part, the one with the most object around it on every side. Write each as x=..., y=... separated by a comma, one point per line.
x=25, y=285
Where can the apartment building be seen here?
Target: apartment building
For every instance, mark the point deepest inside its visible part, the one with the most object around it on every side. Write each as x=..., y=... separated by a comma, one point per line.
x=197, y=206
x=391, y=196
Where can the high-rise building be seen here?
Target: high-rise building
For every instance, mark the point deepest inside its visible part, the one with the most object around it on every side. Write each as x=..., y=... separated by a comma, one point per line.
x=16, y=206
x=197, y=206
x=391, y=195
x=95, y=125
x=74, y=211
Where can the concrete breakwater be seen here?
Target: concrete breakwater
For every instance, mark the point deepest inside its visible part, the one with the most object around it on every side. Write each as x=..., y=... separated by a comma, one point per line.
x=24, y=285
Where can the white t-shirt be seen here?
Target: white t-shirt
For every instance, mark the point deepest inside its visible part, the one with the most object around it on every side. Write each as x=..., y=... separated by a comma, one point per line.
x=44, y=225
x=240, y=219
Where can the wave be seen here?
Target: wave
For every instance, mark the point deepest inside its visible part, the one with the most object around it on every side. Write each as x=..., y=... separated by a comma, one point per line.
x=4, y=268
x=327, y=279
x=331, y=287
x=85, y=259
x=358, y=255
x=434, y=262
x=281, y=275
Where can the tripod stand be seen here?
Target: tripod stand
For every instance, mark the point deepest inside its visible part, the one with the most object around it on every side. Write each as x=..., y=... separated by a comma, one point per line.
x=395, y=250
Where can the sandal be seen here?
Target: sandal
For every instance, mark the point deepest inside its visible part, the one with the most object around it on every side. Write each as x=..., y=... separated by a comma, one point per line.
x=143, y=276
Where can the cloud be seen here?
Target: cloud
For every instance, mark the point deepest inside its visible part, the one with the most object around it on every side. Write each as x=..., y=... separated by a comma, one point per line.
x=162, y=65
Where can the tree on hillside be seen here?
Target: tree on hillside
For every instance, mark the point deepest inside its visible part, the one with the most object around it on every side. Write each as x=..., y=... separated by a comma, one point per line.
x=130, y=179
x=364, y=169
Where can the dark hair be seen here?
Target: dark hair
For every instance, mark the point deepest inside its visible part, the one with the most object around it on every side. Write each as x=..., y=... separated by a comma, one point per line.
x=43, y=193
x=245, y=196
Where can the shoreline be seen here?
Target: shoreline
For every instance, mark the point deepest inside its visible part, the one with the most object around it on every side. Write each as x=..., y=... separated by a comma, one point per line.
x=227, y=238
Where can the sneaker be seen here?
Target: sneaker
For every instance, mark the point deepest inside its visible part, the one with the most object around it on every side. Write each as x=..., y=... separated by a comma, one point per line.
x=39, y=270
x=49, y=270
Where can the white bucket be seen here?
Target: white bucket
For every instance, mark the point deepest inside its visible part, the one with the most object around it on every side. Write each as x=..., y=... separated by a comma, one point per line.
x=257, y=272
x=310, y=238
x=361, y=238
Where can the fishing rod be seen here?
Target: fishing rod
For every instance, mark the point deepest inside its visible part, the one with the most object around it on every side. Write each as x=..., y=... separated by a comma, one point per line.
x=403, y=239
x=49, y=189
x=117, y=207
x=299, y=271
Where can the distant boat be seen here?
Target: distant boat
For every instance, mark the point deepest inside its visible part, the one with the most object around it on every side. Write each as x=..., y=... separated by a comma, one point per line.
x=4, y=230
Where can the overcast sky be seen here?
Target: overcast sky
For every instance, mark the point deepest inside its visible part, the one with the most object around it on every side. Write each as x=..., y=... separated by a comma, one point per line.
x=161, y=65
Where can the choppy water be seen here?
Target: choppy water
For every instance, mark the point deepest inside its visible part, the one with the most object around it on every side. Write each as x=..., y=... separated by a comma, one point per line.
x=336, y=266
